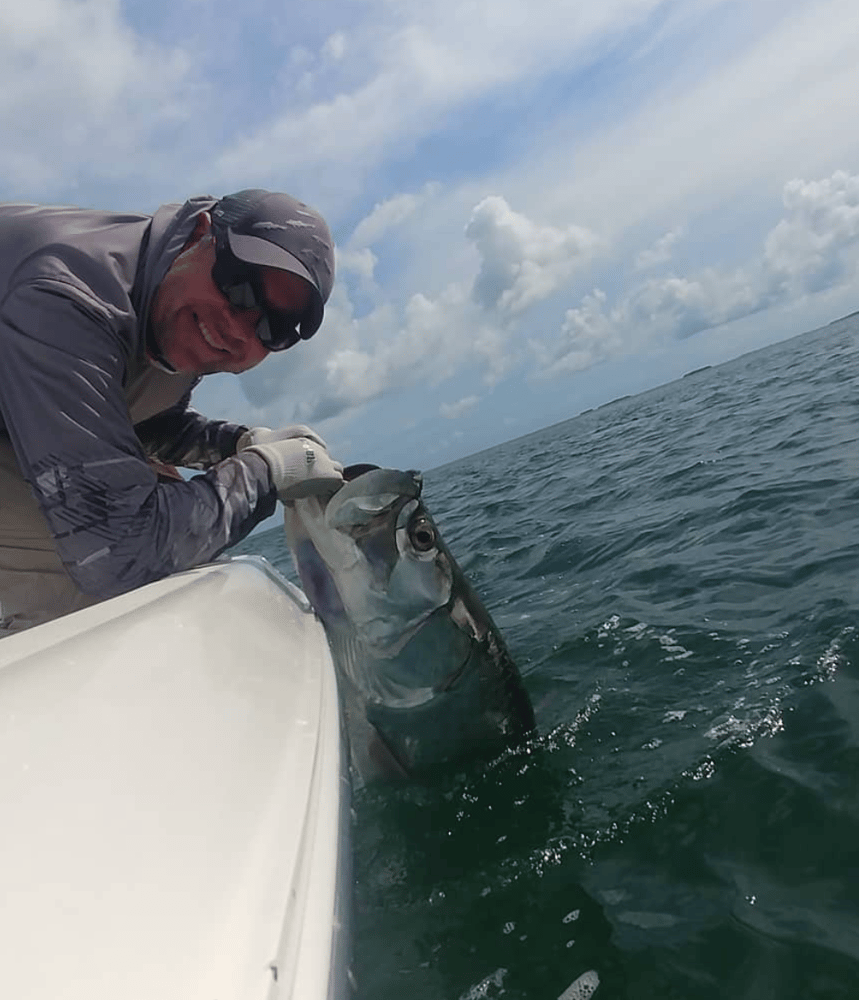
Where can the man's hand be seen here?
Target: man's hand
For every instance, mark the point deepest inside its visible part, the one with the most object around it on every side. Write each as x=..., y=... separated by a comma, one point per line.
x=264, y=435
x=297, y=458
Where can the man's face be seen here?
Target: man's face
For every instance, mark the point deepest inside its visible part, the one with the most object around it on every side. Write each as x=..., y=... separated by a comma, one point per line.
x=195, y=327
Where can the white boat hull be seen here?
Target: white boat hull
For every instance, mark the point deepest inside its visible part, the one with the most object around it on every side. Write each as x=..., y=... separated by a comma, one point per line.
x=174, y=799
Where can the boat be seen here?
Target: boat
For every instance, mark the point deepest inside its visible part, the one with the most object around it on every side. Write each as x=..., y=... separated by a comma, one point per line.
x=175, y=797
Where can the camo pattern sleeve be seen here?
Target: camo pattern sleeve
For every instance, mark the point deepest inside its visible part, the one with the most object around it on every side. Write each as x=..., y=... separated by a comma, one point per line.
x=182, y=436
x=116, y=527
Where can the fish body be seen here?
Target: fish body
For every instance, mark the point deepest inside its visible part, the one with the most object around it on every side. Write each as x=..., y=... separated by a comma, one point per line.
x=424, y=674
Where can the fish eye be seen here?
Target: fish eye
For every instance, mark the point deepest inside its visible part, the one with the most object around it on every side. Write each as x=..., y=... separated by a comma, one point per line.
x=422, y=534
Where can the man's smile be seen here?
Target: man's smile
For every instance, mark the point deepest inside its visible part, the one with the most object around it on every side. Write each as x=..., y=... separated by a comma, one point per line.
x=212, y=340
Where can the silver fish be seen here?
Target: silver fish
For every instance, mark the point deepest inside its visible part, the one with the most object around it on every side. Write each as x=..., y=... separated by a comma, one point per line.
x=424, y=674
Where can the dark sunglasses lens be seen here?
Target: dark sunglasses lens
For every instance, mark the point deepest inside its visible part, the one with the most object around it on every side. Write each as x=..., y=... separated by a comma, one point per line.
x=241, y=295
x=235, y=281
x=278, y=331
x=230, y=275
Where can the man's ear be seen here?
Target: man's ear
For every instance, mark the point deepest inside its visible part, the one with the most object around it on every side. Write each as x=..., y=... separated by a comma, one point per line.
x=202, y=228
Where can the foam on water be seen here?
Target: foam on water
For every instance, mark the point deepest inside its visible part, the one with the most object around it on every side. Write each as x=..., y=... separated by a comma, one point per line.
x=583, y=988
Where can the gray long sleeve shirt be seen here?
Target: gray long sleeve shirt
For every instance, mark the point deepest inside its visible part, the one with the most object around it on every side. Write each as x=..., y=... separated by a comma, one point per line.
x=84, y=408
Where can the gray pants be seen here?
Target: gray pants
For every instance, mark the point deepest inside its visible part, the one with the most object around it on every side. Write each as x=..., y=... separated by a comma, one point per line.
x=34, y=585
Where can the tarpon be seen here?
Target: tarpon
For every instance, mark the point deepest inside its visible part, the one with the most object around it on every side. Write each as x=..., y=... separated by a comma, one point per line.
x=424, y=674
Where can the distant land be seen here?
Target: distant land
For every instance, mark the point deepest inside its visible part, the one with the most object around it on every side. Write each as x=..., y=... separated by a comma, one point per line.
x=611, y=402
x=840, y=318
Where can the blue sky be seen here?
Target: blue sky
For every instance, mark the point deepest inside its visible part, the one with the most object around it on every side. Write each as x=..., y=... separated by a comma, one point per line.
x=538, y=207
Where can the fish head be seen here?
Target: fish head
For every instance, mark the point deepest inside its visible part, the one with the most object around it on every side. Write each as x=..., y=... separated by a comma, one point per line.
x=383, y=565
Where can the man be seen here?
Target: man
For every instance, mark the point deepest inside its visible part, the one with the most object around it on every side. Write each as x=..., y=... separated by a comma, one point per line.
x=107, y=322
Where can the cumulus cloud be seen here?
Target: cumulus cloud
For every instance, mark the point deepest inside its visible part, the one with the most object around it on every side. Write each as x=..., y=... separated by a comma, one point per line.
x=686, y=306
x=433, y=336
x=453, y=411
x=389, y=214
x=521, y=262
x=813, y=248
x=360, y=262
x=385, y=351
x=659, y=253
x=589, y=334
x=389, y=347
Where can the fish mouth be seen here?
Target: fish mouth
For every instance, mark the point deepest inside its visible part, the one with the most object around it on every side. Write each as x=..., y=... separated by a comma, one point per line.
x=354, y=471
x=365, y=497
x=455, y=675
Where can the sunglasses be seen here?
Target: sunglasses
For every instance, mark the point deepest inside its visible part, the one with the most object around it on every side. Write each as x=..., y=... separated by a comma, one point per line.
x=241, y=284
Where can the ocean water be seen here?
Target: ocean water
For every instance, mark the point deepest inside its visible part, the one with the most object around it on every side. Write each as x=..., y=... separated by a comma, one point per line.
x=677, y=575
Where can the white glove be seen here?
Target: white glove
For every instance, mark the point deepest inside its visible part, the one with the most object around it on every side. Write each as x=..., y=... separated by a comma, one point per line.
x=300, y=467
x=264, y=435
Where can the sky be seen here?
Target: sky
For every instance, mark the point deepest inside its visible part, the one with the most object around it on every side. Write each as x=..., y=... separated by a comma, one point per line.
x=538, y=207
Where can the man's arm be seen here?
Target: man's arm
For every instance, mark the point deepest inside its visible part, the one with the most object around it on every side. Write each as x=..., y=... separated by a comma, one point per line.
x=63, y=406
x=182, y=436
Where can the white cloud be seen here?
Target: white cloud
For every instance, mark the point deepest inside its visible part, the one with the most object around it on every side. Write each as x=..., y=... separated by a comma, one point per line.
x=522, y=262
x=453, y=411
x=590, y=333
x=466, y=323
x=782, y=100
x=385, y=351
x=407, y=67
x=389, y=214
x=810, y=249
x=81, y=93
x=814, y=248
x=361, y=262
x=686, y=306
x=335, y=46
x=659, y=253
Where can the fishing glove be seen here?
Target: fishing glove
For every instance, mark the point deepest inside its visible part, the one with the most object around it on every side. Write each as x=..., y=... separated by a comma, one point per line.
x=297, y=459
x=264, y=435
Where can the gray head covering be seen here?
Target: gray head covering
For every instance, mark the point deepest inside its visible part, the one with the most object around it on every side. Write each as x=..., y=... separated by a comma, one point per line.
x=275, y=230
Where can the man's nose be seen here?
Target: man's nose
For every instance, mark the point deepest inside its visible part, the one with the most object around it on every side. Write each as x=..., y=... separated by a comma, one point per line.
x=244, y=323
